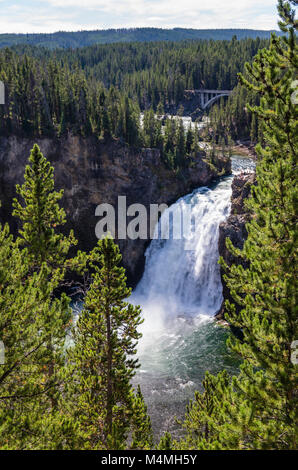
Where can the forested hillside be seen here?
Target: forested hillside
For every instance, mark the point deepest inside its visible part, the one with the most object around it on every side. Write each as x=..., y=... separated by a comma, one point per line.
x=46, y=98
x=102, y=89
x=87, y=38
x=72, y=364
x=159, y=71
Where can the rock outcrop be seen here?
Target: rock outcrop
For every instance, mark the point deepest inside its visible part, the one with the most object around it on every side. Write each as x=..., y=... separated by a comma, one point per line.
x=93, y=172
x=191, y=103
x=234, y=228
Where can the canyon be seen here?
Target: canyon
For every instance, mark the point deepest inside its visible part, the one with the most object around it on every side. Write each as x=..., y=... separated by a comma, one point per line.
x=93, y=172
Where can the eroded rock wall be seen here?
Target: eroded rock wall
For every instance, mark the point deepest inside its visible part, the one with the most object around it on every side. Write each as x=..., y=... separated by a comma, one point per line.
x=234, y=227
x=93, y=172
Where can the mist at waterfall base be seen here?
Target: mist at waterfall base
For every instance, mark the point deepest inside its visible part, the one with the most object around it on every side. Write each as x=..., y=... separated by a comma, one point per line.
x=180, y=292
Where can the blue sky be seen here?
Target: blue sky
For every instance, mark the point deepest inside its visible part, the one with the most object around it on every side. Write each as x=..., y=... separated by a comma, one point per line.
x=29, y=16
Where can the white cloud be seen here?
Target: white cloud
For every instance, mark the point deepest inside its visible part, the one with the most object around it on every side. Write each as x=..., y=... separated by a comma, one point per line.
x=70, y=15
x=164, y=7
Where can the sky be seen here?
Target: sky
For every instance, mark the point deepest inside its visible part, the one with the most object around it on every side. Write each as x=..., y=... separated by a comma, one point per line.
x=47, y=16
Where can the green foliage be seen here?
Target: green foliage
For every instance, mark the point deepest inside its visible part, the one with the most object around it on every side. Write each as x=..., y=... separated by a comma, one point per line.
x=41, y=214
x=206, y=416
x=142, y=436
x=46, y=403
x=100, y=90
x=231, y=118
x=165, y=442
x=158, y=73
x=97, y=90
x=152, y=130
x=30, y=320
x=179, y=147
x=267, y=290
x=33, y=321
x=101, y=363
x=258, y=409
x=86, y=38
x=48, y=97
x=83, y=398
x=33, y=326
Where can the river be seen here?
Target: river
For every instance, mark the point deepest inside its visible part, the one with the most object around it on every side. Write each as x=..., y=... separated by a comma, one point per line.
x=180, y=292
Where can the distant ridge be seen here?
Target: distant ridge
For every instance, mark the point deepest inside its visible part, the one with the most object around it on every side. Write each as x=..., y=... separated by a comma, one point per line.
x=64, y=39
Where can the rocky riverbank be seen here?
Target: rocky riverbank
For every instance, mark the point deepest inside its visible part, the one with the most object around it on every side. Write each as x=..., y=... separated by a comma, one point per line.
x=234, y=227
x=244, y=147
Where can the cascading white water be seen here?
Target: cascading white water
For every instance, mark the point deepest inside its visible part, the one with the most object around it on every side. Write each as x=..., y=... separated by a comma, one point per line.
x=179, y=293
x=181, y=282
x=183, y=275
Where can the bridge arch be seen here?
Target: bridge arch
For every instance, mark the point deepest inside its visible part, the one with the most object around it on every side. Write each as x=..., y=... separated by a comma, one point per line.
x=212, y=100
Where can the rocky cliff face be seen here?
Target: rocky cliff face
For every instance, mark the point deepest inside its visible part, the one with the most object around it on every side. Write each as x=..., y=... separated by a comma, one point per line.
x=191, y=103
x=234, y=227
x=93, y=172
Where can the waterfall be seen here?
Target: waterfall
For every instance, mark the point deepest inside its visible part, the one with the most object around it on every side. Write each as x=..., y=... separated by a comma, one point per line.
x=182, y=277
x=179, y=293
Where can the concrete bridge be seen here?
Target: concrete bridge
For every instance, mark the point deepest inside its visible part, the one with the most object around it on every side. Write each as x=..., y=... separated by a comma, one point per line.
x=208, y=97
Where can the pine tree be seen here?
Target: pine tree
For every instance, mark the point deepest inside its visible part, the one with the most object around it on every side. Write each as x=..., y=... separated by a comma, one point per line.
x=189, y=140
x=101, y=362
x=166, y=442
x=258, y=408
x=149, y=128
x=30, y=320
x=160, y=109
x=180, y=145
x=196, y=138
x=46, y=317
x=41, y=214
x=105, y=125
x=142, y=436
x=204, y=414
x=267, y=289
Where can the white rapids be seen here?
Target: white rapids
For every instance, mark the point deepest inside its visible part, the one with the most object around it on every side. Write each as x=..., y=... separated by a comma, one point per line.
x=179, y=293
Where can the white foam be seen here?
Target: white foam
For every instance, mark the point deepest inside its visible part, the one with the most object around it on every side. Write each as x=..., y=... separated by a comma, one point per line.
x=181, y=286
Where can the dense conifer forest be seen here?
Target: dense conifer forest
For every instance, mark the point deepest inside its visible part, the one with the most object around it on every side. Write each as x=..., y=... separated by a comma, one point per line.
x=101, y=90
x=87, y=38
x=67, y=385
